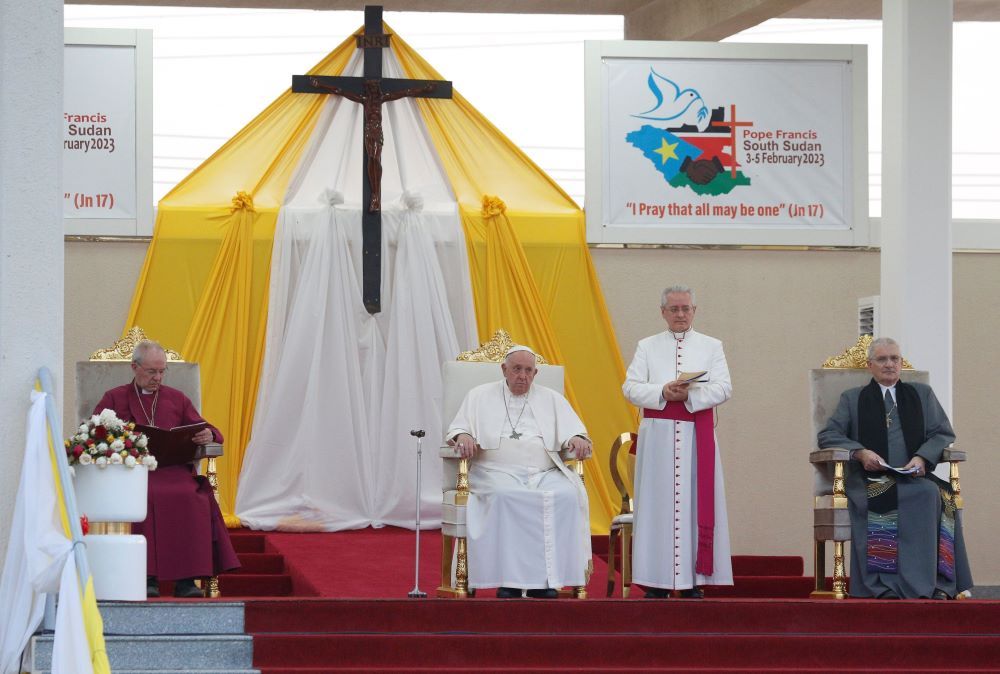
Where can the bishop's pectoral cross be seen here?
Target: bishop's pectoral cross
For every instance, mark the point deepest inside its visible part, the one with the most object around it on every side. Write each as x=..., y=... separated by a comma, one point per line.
x=371, y=91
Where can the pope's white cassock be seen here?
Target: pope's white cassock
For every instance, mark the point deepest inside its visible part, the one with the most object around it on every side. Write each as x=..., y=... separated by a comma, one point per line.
x=665, y=544
x=528, y=517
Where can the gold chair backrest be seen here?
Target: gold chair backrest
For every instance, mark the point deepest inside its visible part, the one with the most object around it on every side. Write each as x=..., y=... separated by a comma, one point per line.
x=625, y=441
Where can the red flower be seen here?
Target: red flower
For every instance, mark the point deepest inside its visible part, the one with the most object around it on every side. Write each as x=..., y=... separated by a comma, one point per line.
x=134, y=453
x=77, y=451
x=109, y=452
x=90, y=442
x=99, y=431
x=84, y=524
x=128, y=445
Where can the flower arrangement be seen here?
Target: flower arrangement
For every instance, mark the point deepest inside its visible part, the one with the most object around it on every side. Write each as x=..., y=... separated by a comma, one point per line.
x=105, y=440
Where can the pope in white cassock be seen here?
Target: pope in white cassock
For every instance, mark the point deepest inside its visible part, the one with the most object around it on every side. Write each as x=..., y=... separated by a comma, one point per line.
x=528, y=517
x=681, y=531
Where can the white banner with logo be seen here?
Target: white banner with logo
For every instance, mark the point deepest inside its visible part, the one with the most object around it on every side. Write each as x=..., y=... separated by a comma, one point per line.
x=762, y=146
x=107, y=139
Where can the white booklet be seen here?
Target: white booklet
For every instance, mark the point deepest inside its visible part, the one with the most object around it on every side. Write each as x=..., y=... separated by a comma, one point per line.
x=901, y=471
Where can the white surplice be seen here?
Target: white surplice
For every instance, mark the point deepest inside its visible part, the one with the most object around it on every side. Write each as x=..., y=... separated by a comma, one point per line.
x=528, y=517
x=665, y=541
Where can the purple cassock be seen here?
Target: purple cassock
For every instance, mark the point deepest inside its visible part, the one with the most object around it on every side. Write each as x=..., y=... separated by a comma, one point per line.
x=185, y=534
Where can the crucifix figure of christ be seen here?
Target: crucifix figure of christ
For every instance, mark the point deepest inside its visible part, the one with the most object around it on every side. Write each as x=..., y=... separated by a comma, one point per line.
x=371, y=91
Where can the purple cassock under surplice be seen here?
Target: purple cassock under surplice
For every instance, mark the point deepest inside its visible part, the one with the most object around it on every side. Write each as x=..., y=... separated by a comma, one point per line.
x=185, y=534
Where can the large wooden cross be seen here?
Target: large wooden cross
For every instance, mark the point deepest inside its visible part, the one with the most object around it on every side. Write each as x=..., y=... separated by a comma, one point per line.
x=371, y=91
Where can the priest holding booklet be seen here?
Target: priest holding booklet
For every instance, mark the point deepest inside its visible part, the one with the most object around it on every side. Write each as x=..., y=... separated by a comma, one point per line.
x=681, y=530
x=186, y=537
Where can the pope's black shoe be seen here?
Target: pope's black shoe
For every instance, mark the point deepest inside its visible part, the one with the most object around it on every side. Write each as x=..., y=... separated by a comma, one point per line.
x=692, y=593
x=543, y=593
x=888, y=594
x=186, y=589
x=940, y=594
x=152, y=587
x=508, y=593
x=658, y=593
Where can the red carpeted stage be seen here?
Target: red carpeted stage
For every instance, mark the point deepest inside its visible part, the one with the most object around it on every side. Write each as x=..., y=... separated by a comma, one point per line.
x=337, y=603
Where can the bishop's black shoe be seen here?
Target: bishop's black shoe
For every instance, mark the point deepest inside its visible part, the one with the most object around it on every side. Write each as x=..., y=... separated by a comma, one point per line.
x=692, y=593
x=508, y=593
x=888, y=594
x=152, y=587
x=543, y=593
x=186, y=589
x=940, y=594
x=657, y=593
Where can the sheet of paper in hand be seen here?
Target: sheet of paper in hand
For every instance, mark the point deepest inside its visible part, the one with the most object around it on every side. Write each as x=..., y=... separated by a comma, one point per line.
x=172, y=446
x=693, y=377
x=901, y=471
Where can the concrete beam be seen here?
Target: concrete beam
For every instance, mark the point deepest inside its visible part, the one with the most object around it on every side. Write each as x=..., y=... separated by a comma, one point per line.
x=708, y=20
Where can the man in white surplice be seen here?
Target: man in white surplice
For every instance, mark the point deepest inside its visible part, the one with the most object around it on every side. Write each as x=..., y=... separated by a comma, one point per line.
x=528, y=516
x=681, y=535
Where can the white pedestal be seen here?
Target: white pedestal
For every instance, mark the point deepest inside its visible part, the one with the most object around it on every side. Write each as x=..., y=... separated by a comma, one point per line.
x=117, y=561
x=112, y=493
x=118, y=565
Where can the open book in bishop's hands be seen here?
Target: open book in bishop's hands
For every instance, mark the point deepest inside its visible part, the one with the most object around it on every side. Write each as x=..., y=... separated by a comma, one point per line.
x=693, y=377
x=173, y=446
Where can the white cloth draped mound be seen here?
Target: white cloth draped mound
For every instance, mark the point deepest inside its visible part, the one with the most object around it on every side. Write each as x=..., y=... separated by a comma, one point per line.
x=341, y=389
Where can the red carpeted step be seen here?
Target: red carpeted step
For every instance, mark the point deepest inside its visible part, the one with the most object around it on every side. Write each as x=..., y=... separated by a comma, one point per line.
x=767, y=565
x=255, y=585
x=510, y=651
x=261, y=562
x=764, y=587
x=675, y=616
x=615, y=670
x=247, y=541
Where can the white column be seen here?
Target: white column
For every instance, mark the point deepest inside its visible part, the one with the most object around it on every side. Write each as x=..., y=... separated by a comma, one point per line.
x=916, y=305
x=31, y=230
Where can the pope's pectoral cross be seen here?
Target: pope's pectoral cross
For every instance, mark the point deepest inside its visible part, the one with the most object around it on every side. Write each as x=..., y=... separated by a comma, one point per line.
x=371, y=91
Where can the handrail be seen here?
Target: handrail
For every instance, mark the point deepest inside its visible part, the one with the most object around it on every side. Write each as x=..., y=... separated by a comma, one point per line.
x=69, y=496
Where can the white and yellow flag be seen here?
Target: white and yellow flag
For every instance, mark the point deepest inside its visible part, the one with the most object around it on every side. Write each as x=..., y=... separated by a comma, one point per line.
x=40, y=560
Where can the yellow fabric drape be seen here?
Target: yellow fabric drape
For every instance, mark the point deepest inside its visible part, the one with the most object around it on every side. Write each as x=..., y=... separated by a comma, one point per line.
x=203, y=288
x=531, y=270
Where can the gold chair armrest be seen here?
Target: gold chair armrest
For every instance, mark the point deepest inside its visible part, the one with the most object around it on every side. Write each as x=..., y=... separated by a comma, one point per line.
x=829, y=455
x=952, y=454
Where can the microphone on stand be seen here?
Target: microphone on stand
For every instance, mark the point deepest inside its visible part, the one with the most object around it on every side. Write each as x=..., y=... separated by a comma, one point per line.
x=415, y=593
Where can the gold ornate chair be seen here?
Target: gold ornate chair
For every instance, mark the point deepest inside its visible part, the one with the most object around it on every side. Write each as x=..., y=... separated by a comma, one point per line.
x=471, y=369
x=111, y=367
x=831, y=521
x=620, y=534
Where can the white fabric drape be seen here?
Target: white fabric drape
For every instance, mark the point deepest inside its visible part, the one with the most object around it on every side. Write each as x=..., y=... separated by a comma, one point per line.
x=39, y=561
x=341, y=389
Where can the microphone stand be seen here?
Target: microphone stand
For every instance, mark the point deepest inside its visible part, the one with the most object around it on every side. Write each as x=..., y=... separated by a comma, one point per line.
x=415, y=593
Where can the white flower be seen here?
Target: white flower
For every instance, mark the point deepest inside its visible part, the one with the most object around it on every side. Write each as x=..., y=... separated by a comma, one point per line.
x=148, y=460
x=110, y=420
x=81, y=437
x=118, y=445
x=102, y=447
x=84, y=429
x=153, y=465
x=85, y=459
x=95, y=420
x=115, y=459
x=130, y=461
x=142, y=442
x=101, y=461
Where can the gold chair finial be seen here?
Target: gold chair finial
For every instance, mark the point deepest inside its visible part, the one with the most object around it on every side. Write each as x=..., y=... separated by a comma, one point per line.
x=122, y=349
x=494, y=350
x=856, y=357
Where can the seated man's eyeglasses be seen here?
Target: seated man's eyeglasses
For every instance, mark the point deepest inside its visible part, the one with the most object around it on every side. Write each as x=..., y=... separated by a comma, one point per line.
x=680, y=310
x=152, y=371
x=882, y=360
